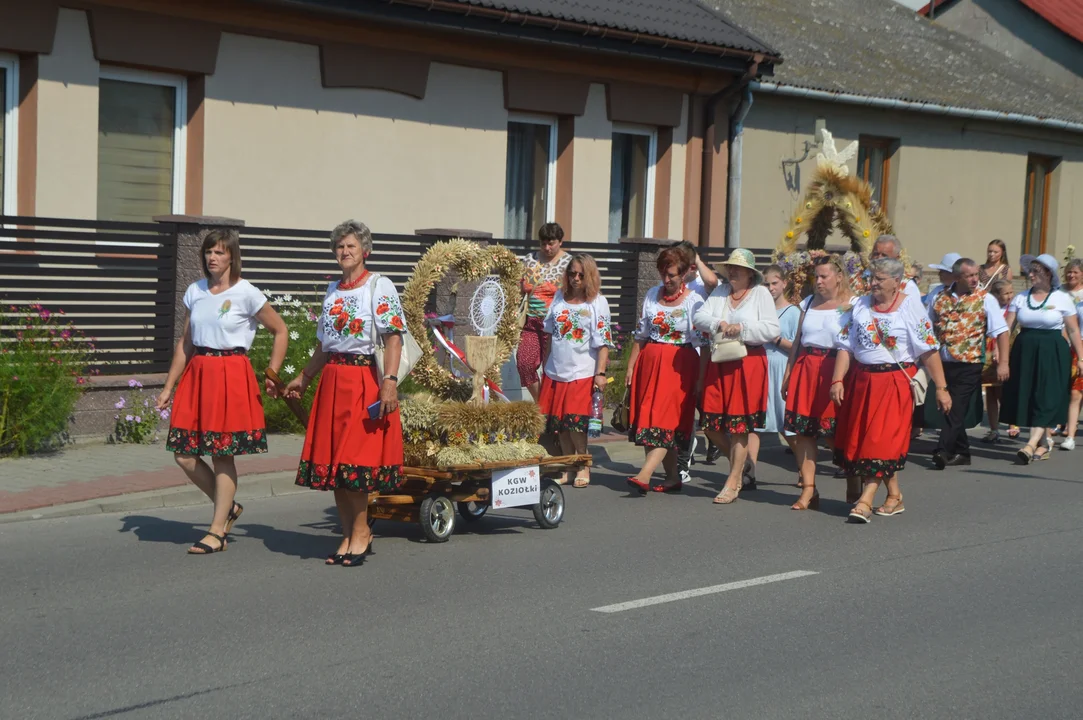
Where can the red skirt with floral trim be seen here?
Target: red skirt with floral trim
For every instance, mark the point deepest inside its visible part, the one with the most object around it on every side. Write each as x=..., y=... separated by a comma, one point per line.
x=735, y=394
x=345, y=449
x=873, y=434
x=663, y=409
x=1076, y=378
x=217, y=409
x=809, y=410
x=565, y=405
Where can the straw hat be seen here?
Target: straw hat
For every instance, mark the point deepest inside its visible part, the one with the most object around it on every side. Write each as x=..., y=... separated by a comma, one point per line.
x=742, y=257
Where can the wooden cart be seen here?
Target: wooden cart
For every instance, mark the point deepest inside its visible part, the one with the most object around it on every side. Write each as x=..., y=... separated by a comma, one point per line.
x=431, y=497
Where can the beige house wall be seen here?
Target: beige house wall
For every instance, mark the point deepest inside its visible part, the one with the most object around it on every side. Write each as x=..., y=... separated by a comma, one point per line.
x=955, y=185
x=675, y=231
x=591, y=170
x=281, y=150
x=67, y=168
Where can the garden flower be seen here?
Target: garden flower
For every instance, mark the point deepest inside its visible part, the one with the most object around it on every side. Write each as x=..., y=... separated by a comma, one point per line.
x=311, y=352
x=128, y=418
x=120, y=404
x=164, y=414
x=294, y=335
x=290, y=370
x=133, y=383
x=138, y=419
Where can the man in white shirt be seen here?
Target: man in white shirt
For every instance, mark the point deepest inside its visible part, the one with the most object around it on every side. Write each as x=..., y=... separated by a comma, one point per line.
x=962, y=317
x=947, y=276
x=889, y=246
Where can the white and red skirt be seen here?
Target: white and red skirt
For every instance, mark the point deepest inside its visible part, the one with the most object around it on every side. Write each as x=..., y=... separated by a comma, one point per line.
x=565, y=405
x=809, y=410
x=872, y=437
x=217, y=409
x=344, y=448
x=735, y=394
x=663, y=398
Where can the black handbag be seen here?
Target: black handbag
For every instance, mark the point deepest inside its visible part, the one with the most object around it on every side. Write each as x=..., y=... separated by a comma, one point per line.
x=621, y=413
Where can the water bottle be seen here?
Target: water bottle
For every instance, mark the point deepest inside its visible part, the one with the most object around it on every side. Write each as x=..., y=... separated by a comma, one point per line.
x=597, y=405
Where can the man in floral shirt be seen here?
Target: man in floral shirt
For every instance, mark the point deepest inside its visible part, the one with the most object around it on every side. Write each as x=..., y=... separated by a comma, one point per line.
x=962, y=317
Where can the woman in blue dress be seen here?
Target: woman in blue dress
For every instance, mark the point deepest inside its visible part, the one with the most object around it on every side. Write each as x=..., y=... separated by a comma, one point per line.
x=778, y=355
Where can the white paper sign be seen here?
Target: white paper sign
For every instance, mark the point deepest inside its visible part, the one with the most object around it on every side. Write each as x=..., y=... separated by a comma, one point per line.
x=514, y=488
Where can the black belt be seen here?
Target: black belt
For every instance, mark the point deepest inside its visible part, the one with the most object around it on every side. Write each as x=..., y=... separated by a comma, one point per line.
x=884, y=367
x=353, y=359
x=660, y=342
x=818, y=351
x=215, y=352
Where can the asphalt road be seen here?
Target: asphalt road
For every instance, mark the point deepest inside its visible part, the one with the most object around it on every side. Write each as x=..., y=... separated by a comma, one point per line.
x=966, y=606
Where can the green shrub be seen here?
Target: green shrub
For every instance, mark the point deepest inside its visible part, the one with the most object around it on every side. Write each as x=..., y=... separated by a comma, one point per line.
x=43, y=364
x=618, y=366
x=137, y=416
x=301, y=320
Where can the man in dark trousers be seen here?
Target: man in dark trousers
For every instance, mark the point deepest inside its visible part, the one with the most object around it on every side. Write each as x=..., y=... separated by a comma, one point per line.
x=963, y=316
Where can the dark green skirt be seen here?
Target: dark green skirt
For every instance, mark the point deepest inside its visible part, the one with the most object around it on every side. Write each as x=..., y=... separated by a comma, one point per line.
x=1036, y=394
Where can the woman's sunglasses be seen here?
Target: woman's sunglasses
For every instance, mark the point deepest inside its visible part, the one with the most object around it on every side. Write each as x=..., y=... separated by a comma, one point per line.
x=573, y=274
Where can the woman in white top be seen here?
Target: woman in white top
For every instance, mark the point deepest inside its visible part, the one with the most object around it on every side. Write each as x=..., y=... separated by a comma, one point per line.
x=353, y=443
x=807, y=384
x=1035, y=394
x=580, y=337
x=664, y=372
x=885, y=335
x=1073, y=285
x=735, y=392
x=218, y=410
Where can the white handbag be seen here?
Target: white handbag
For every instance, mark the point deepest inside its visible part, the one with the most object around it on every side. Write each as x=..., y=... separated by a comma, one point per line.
x=727, y=349
x=411, y=351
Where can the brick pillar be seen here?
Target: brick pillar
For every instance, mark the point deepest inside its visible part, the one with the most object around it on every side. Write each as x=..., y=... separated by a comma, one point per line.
x=189, y=231
x=646, y=272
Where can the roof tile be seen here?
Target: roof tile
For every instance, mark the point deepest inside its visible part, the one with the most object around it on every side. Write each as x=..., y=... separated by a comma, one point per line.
x=1066, y=15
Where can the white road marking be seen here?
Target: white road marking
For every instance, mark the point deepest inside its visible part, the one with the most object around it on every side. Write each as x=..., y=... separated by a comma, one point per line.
x=684, y=595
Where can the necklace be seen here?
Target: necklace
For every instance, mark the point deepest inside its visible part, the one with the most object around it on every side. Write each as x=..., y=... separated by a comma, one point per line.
x=1047, y=296
x=674, y=296
x=891, y=305
x=734, y=300
x=343, y=285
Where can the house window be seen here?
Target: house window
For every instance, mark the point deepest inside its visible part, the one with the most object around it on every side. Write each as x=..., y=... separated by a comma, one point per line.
x=8, y=104
x=529, y=200
x=874, y=165
x=631, y=184
x=1036, y=203
x=141, y=145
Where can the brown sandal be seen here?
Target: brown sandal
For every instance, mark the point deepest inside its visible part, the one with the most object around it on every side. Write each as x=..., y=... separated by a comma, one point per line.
x=234, y=513
x=812, y=504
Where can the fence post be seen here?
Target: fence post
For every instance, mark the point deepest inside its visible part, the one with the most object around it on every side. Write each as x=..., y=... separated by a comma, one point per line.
x=189, y=231
x=646, y=272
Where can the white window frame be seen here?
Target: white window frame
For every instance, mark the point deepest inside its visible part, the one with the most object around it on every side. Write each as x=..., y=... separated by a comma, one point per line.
x=551, y=171
x=180, y=120
x=652, y=163
x=9, y=68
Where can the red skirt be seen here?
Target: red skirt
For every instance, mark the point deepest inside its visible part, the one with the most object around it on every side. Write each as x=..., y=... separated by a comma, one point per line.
x=1076, y=378
x=735, y=394
x=565, y=405
x=663, y=407
x=809, y=410
x=217, y=409
x=345, y=449
x=873, y=434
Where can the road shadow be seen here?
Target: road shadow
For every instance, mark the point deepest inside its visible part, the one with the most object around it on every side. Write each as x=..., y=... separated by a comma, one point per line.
x=301, y=545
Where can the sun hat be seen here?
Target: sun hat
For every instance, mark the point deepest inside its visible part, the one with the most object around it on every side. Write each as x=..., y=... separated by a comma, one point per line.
x=947, y=262
x=1025, y=261
x=1050, y=263
x=742, y=257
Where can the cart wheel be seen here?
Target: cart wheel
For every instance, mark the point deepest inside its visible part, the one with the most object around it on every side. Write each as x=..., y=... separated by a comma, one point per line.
x=472, y=511
x=437, y=518
x=550, y=509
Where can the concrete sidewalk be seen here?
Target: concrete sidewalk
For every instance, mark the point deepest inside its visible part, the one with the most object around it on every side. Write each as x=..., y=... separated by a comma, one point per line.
x=89, y=479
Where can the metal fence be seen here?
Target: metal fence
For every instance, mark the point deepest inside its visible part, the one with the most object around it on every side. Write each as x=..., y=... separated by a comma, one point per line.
x=113, y=280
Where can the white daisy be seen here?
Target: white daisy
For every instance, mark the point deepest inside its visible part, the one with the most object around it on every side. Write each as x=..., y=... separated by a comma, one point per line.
x=287, y=298
x=294, y=335
x=290, y=370
x=311, y=352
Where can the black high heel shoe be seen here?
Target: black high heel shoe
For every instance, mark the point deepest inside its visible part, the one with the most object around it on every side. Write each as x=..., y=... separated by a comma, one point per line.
x=357, y=559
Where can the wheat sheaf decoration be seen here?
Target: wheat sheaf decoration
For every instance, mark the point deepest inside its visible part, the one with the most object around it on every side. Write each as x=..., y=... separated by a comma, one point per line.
x=471, y=262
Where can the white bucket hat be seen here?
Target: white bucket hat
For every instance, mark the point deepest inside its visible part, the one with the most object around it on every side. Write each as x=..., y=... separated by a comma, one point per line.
x=743, y=257
x=1050, y=263
x=947, y=262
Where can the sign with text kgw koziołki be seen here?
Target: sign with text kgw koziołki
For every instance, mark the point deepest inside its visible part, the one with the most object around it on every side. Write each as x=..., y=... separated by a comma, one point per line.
x=517, y=487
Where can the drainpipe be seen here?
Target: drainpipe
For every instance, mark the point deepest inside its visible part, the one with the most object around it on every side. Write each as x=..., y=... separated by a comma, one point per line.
x=733, y=210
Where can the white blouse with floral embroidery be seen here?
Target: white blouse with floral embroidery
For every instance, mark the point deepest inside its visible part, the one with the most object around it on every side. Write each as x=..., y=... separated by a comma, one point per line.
x=670, y=325
x=875, y=338
x=578, y=332
x=345, y=325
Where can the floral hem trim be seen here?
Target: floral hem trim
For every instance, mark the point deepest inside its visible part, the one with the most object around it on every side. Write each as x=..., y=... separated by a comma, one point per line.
x=870, y=467
x=566, y=423
x=738, y=424
x=218, y=444
x=215, y=352
x=657, y=438
x=809, y=426
x=349, y=477
x=351, y=359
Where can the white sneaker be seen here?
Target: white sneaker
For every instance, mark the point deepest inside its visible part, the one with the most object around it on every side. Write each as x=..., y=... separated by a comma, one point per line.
x=686, y=477
x=1067, y=444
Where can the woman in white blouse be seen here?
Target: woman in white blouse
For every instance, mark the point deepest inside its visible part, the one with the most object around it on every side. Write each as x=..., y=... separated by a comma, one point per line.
x=735, y=392
x=217, y=410
x=353, y=444
x=664, y=372
x=885, y=335
x=580, y=337
x=810, y=414
x=1036, y=393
